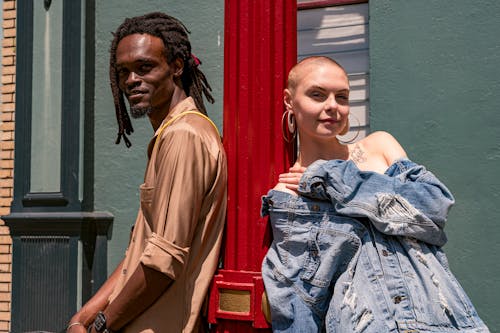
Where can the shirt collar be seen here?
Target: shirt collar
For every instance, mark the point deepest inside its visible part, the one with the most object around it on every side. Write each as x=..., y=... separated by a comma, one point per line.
x=184, y=105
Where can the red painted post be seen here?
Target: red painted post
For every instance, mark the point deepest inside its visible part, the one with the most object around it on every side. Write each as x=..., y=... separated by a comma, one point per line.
x=260, y=41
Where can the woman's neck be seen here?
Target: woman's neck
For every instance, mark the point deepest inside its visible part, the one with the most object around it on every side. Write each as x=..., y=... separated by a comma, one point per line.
x=312, y=151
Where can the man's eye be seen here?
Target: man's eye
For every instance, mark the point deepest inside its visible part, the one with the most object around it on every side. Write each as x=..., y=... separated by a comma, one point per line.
x=122, y=72
x=145, y=68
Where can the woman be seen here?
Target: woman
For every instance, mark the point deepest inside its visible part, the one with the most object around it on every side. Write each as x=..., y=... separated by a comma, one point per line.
x=357, y=242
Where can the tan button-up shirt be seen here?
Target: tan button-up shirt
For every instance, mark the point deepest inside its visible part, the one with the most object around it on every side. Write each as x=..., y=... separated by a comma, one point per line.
x=179, y=227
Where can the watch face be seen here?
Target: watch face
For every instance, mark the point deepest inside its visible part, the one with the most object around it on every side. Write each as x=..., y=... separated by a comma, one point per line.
x=100, y=322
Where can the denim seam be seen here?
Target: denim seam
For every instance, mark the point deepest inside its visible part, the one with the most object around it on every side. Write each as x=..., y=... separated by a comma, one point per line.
x=310, y=301
x=318, y=282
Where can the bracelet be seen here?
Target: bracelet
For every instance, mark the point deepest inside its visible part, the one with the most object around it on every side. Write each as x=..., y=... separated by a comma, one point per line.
x=73, y=324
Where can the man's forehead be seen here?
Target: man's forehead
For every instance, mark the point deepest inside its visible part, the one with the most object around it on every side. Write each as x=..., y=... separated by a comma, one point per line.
x=140, y=45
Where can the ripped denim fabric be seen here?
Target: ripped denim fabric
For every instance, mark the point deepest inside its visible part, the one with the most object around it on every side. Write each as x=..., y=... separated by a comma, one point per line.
x=373, y=242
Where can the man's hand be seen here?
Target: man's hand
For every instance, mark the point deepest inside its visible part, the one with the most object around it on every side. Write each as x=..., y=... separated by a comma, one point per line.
x=91, y=329
x=78, y=328
x=292, y=177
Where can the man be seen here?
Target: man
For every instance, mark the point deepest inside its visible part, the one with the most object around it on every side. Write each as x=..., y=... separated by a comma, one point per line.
x=161, y=284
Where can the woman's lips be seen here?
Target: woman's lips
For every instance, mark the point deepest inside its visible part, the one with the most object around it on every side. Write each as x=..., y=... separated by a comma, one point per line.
x=329, y=121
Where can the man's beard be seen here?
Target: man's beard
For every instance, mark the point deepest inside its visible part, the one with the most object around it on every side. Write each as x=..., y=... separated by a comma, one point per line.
x=138, y=112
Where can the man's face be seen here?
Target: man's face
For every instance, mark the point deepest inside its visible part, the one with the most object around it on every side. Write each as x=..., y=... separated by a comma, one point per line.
x=144, y=75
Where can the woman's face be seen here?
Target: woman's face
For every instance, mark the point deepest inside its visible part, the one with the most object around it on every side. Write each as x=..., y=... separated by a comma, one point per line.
x=319, y=101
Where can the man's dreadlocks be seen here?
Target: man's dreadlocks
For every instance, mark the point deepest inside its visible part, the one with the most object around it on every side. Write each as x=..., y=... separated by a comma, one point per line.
x=174, y=35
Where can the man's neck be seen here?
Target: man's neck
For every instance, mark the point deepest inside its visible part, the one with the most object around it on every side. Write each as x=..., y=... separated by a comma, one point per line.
x=157, y=116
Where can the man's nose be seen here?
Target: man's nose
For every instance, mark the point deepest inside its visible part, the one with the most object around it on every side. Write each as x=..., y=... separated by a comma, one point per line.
x=132, y=79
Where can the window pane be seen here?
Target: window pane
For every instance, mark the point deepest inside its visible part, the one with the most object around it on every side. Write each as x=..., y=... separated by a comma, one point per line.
x=46, y=97
x=341, y=33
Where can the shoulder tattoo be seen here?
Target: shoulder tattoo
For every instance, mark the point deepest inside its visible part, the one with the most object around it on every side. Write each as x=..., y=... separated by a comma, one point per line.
x=358, y=155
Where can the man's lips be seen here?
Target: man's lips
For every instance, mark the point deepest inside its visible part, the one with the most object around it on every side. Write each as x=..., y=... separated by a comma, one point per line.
x=135, y=95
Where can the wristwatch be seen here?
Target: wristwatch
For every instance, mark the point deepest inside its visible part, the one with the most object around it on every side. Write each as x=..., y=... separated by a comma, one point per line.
x=100, y=323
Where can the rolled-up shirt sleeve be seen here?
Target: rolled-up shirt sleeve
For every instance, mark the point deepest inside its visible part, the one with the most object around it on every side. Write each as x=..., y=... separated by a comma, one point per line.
x=164, y=256
x=184, y=172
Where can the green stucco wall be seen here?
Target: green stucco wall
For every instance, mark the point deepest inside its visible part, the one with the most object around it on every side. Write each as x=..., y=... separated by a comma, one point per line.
x=435, y=74
x=119, y=171
x=435, y=79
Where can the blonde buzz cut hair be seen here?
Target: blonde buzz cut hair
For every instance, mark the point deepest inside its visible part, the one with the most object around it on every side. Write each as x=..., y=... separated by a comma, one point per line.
x=294, y=76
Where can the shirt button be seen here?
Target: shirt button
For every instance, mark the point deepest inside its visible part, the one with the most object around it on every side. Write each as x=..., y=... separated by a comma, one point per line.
x=315, y=208
x=398, y=299
x=385, y=253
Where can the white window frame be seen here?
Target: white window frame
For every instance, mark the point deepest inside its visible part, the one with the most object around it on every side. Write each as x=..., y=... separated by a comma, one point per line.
x=339, y=29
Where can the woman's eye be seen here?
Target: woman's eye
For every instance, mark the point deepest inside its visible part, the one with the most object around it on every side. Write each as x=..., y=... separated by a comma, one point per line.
x=342, y=99
x=316, y=95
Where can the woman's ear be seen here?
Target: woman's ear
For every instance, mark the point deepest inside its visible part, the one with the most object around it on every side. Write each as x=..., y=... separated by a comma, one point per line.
x=287, y=99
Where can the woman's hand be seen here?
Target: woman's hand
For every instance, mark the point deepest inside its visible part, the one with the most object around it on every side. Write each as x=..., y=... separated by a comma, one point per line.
x=292, y=177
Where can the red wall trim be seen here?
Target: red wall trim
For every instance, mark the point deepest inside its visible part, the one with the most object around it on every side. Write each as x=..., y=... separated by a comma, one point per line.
x=327, y=3
x=260, y=47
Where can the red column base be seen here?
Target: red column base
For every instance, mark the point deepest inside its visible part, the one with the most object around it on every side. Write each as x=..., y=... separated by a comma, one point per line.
x=237, y=295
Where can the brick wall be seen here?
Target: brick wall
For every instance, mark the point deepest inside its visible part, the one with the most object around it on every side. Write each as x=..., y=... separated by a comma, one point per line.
x=7, y=155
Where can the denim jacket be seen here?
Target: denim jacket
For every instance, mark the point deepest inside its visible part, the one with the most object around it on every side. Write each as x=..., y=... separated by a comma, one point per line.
x=360, y=252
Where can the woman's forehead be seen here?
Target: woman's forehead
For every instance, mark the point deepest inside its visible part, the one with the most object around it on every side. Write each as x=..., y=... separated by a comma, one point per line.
x=324, y=75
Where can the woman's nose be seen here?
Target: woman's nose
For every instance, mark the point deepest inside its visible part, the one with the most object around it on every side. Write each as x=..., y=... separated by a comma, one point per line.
x=331, y=102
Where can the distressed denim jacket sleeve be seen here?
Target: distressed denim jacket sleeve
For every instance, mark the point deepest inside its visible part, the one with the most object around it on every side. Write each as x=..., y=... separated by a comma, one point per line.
x=407, y=200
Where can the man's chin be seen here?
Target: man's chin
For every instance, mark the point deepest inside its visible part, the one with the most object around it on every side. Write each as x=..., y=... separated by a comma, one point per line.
x=139, y=112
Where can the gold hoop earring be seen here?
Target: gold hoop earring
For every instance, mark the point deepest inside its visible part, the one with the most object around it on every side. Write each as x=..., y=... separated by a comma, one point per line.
x=351, y=140
x=289, y=130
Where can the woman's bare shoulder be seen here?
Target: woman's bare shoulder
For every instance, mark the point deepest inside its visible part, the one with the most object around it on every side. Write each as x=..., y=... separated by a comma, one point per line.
x=386, y=144
x=378, y=137
x=376, y=151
